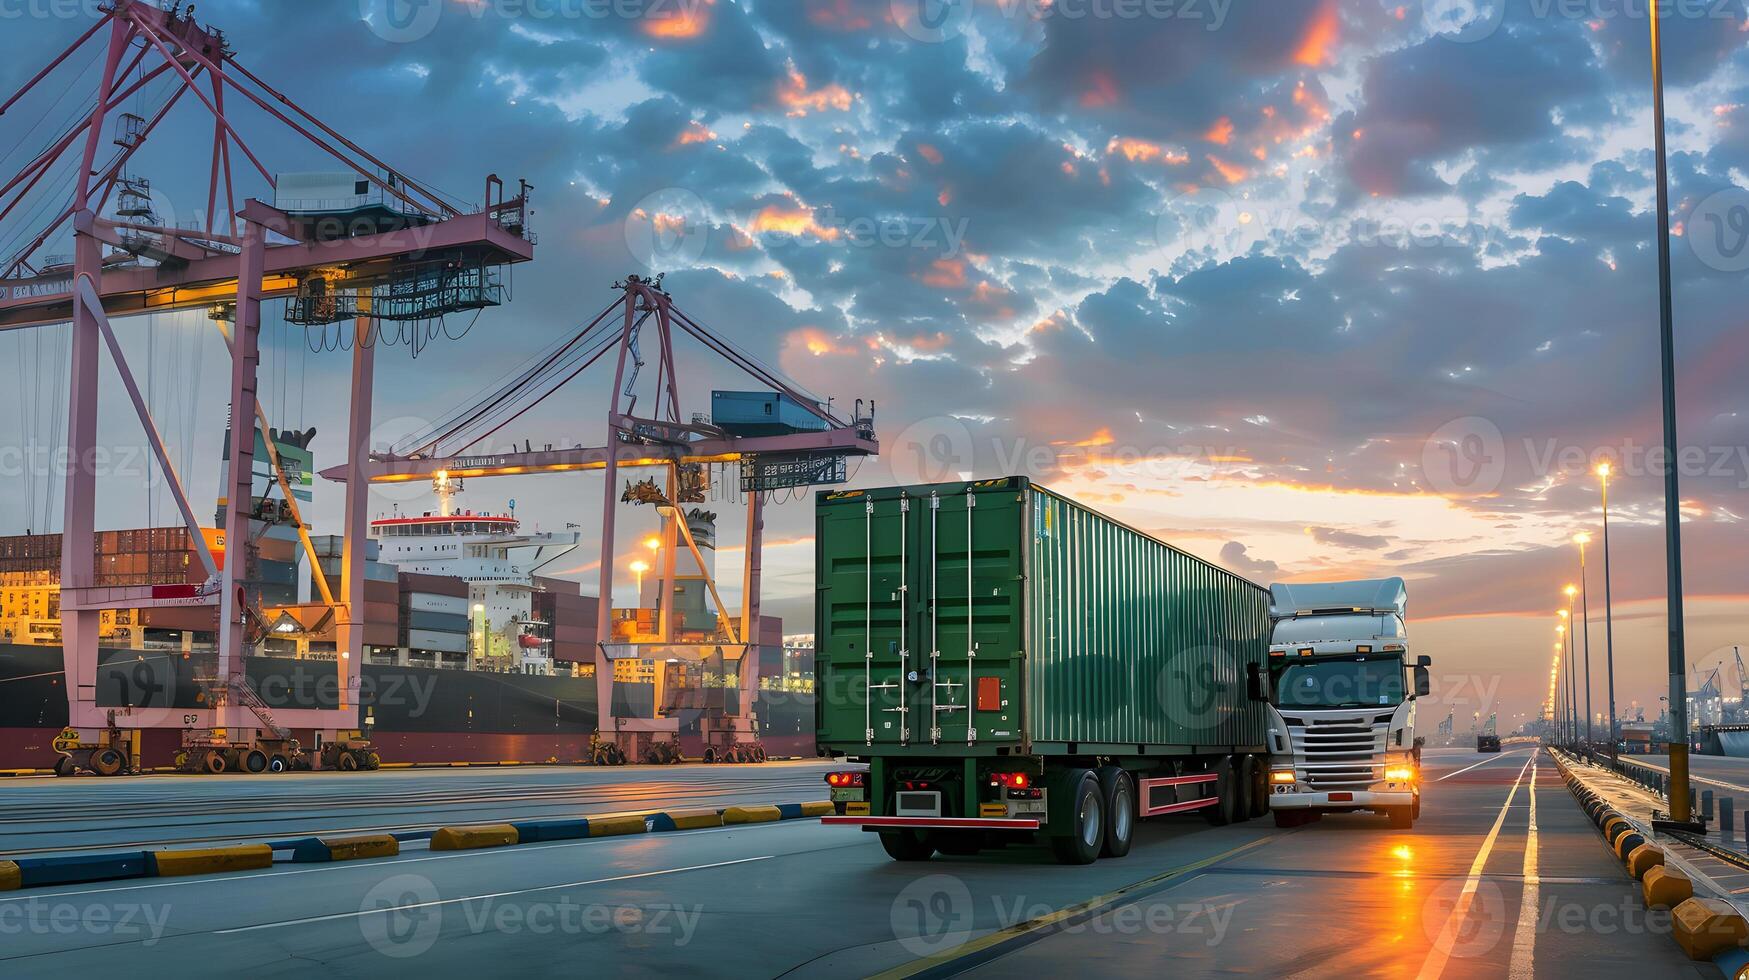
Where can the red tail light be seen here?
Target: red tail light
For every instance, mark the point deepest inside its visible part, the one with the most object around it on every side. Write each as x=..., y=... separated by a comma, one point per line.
x=1011, y=780
x=846, y=778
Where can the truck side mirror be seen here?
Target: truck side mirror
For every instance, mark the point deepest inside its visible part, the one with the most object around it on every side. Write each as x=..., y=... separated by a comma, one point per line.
x=1256, y=682
x=1423, y=681
x=1424, y=661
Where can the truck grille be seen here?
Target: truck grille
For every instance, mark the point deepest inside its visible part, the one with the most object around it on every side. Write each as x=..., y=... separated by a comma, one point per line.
x=1339, y=750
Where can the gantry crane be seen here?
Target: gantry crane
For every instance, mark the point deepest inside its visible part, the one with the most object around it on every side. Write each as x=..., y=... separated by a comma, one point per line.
x=660, y=439
x=396, y=250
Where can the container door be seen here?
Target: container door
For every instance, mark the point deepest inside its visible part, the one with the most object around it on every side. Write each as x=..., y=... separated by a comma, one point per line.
x=865, y=647
x=969, y=626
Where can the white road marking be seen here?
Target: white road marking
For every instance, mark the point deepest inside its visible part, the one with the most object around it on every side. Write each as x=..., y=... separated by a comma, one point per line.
x=1434, y=965
x=488, y=897
x=1478, y=765
x=34, y=893
x=1524, y=936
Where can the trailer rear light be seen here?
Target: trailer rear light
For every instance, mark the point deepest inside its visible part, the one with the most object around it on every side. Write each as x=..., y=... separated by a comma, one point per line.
x=844, y=779
x=1282, y=776
x=1010, y=780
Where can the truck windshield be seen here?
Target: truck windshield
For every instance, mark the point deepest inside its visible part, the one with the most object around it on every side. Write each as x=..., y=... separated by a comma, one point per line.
x=1341, y=683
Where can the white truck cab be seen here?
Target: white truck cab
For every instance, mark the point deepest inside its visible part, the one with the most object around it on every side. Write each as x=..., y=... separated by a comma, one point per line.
x=1342, y=702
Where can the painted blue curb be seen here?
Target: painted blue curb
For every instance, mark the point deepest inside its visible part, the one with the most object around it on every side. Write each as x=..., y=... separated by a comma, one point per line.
x=547, y=830
x=311, y=850
x=789, y=811
x=406, y=835
x=77, y=869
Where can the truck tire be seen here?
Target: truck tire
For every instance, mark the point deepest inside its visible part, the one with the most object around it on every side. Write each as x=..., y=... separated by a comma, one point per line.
x=1086, y=836
x=1260, y=787
x=107, y=762
x=906, y=845
x=1401, y=817
x=1119, y=792
x=1244, y=786
x=214, y=761
x=1221, y=813
x=1290, y=818
x=65, y=766
x=347, y=762
x=278, y=764
x=255, y=761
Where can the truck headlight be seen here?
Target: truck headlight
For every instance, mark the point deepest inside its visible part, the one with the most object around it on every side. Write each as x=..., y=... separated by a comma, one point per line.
x=1400, y=774
x=1281, y=776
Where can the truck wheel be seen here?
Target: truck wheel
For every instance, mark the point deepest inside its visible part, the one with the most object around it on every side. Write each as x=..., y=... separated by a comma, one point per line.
x=1244, y=786
x=1221, y=813
x=214, y=761
x=1260, y=787
x=1290, y=818
x=107, y=762
x=1086, y=837
x=278, y=764
x=1402, y=817
x=1119, y=793
x=65, y=766
x=348, y=762
x=906, y=845
x=255, y=760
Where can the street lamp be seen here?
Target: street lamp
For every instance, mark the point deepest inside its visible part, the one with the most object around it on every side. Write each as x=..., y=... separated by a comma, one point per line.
x=1571, y=591
x=1583, y=539
x=1678, y=655
x=1603, y=470
x=653, y=543
x=639, y=568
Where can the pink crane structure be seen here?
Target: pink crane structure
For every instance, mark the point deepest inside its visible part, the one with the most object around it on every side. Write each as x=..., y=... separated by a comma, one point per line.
x=810, y=455
x=395, y=251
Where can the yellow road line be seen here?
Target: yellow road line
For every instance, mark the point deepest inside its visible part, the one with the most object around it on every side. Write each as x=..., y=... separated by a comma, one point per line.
x=1434, y=965
x=1524, y=936
x=973, y=946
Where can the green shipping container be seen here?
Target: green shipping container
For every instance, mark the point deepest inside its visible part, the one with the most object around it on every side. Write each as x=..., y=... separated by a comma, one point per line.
x=1057, y=632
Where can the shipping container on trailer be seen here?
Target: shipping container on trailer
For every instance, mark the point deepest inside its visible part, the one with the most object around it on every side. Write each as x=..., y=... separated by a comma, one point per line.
x=1012, y=664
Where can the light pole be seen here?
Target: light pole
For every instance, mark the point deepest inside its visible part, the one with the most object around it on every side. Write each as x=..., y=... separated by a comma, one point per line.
x=639, y=568
x=1608, y=618
x=1678, y=655
x=1571, y=591
x=1583, y=539
x=1560, y=648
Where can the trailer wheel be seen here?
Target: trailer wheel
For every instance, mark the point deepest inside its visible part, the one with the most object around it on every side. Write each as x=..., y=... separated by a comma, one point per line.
x=65, y=766
x=214, y=761
x=1221, y=813
x=906, y=845
x=107, y=762
x=278, y=764
x=1260, y=787
x=255, y=761
x=1087, y=820
x=1120, y=811
x=348, y=762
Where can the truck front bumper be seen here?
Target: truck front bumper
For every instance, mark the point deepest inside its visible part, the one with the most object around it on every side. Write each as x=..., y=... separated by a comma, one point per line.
x=1356, y=800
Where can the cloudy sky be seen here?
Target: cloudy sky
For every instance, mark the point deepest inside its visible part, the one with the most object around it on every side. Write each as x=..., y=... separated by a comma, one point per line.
x=1313, y=289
